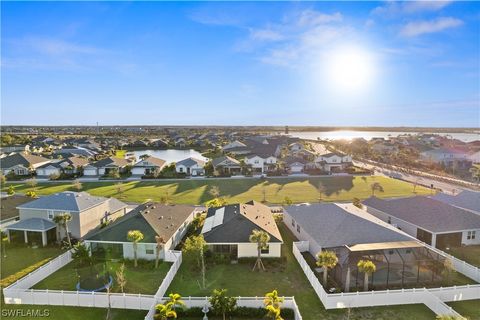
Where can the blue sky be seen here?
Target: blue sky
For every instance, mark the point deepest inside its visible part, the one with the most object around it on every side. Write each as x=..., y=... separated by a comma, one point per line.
x=269, y=63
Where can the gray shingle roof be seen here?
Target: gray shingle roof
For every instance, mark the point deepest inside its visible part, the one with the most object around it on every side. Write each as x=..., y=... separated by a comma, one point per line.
x=112, y=161
x=230, y=160
x=332, y=226
x=426, y=213
x=32, y=224
x=21, y=158
x=72, y=201
x=191, y=162
x=466, y=199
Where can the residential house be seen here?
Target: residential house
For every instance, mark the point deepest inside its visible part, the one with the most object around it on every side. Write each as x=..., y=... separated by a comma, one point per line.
x=234, y=144
x=226, y=166
x=353, y=235
x=227, y=230
x=296, y=146
x=431, y=221
x=22, y=163
x=88, y=212
x=15, y=148
x=445, y=156
x=385, y=147
x=75, y=151
x=294, y=164
x=191, y=166
x=261, y=164
x=104, y=166
x=70, y=165
x=333, y=161
x=168, y=222
x=466, y=199
x=159, y=144
x=148, y=166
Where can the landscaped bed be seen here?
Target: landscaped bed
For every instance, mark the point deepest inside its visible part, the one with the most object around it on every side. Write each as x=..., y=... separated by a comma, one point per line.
x=467, y=308
x=143, y=279
x=195, y=191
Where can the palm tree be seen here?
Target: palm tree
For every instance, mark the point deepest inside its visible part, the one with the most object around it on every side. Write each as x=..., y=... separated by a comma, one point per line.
x=326, y=259
x=176, y=300
x=273, y=304
x=376, y=186
x=321, y=190
x=221, y=303
x=164, y=311
x=135, y=236
x=214, y=192
x=367, y=267
x=261, y=238
x=62, y=220
x=158, y=248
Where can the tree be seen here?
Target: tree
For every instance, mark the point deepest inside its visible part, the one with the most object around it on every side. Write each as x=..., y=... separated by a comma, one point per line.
x=31, y=194
x=367, y=267
x=32, y=183
x=144, y=156
x=448, y=268
x=164, y=311
x=196, y=245
x=135, y=236
x=287, y=201
x=357, y=203
x=221, y=303
x=376, y=186
x=2, y=179
x=198, y=221
x=216, y=203
x=321, y=190
x=273, y=304
x=62, y=220
x=81, y=255
x=327, y=260
x=261, y=238
x=158, y=248
x=77, y=185
x=11, y=190
x=121, y=278
x=175, y=300
x=214, y=191
x=120, y=189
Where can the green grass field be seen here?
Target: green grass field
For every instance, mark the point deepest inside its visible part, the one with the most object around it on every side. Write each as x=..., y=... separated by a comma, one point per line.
x=470, y=254
x=144, y=279
x=339, y=188
x=468, y=308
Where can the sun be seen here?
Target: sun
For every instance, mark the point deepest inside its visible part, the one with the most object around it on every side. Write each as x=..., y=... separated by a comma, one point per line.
x=349, y=68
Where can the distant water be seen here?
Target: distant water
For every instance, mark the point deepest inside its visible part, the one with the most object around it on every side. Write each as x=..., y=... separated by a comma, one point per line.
x=169, y=155
x=368, y=135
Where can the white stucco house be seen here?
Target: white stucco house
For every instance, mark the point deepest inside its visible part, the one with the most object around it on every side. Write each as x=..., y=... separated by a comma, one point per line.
x=148, y=166
x=21, y=163
x=191, y=166
x=333, y=161
x=104, y=166
x=261, y=164
x=227, y=230
x=56, y=167
x=167, y=223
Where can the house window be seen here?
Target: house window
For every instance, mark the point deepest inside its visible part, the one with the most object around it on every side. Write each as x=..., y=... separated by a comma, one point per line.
x=293, y=223
x=181, y=169
x=149, y=250
x=298, y=228
x=50, y=214
x=471, y=235
x=265, y=250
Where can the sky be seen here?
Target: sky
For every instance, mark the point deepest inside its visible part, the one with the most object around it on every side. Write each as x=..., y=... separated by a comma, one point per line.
x=241, y=63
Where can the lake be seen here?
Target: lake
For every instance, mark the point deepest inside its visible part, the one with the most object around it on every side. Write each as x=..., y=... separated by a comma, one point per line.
x=169, y=155
x=368, y=135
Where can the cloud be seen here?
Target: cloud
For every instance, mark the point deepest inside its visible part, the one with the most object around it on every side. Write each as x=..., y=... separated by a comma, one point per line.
x=266, y=35
x=417, y=28
x=314, y=18
x=394, y=8
x=50, y=46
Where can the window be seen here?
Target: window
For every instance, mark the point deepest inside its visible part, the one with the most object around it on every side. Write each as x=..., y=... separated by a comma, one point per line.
x=265, y=250
x=471, y=235
x=149, y=250
x=298, y=228
x=293, y=223
x=389, y=220
x=50, y=214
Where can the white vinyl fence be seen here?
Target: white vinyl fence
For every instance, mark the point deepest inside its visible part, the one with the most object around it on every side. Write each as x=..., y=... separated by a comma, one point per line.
x=249, y=302
x=432, y=298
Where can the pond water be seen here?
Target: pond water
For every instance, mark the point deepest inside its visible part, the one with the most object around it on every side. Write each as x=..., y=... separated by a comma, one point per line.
x=169, y=155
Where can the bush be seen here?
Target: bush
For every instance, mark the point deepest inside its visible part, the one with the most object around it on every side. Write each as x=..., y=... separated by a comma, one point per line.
x=239, y=312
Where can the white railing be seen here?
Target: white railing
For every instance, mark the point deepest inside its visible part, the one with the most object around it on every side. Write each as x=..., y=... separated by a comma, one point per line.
x=170, y=274
x=248, y=302
x=432, y=298
x=41, y=273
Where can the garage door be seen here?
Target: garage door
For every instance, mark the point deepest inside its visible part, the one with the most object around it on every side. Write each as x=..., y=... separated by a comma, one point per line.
x=449, y=240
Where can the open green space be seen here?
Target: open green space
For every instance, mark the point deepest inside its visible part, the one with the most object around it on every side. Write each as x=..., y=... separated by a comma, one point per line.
x=467, y=308
x=144, y=279
x=470, y=254
x=273, y=190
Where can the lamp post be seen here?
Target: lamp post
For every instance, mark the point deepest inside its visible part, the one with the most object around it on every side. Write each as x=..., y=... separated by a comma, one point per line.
x=205, y=311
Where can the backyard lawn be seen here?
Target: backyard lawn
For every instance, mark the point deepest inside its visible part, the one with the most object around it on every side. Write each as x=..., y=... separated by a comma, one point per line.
x=144, y=279
x=470, y=254
x=288, y=279
x=468, y=308
x=15, y=258
x=195, y=191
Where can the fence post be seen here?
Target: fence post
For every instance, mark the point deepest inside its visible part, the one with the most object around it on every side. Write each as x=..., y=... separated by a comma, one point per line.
x=139, y=302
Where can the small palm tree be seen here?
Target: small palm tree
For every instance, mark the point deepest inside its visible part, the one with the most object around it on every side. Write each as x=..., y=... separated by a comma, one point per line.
x=261, y=238
x=135, y=236
x=326, y=260
x=367, y=267
x=164, y=311
x=273, y=304
x=62, y=220
x=158, y=248
x=176, y=300
x=376, y=186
